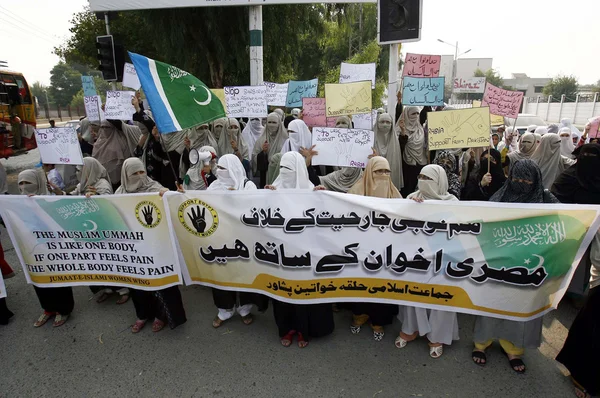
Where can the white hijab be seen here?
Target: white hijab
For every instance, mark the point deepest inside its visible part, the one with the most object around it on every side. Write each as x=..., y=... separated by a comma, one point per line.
x=37, y=182
x=550, y=161
x=228, y=134
x=527, y=146
x=566, y=122
x=293, y=173
x=299, y=137
x=136, y=183
x=434, y=189
x=252, y=133
x=231, y=175
x=566, y=143
x=205, y=157
x=414, y=151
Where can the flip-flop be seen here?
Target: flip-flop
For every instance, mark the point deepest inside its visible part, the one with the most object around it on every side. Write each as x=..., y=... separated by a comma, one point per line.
x=42, y=320
x=60, y=320
x=286, y=340
x=479, y=355
x=248, y=319
x=137, y=326
x=515, y=362
x=157, y=325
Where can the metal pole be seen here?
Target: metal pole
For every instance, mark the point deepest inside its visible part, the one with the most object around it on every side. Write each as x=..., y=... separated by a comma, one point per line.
x=107, y=23
x=393, y=80
x=576, y=106
x=454, y=70
x=562, y=100
x=548, y=108
x=256, y=46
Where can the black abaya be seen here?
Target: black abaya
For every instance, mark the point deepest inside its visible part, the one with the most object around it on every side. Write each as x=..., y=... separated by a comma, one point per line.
x=56, y=299
x=379, y=314
x=312, y=320
x=165, y=305
x=5, y=313
x=227, y=299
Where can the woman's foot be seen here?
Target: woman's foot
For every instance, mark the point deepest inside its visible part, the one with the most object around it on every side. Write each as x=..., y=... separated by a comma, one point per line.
x=436, y=350
x=403, y=339
x=248, y=319
x=137, y=326
x=42, y=319
x=479, y=357
x=286, y=340
x=123, y=299
x=579, y=390
x=378, y=333
x=515, y=362
x=60, y=320
x=301, y=342
x=355, y=329
x=217, y=322
x=103, y=297
x=157, y=325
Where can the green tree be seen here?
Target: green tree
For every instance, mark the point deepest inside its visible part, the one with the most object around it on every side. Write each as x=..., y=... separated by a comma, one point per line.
x=596, y=88
x=39, y=90
x=65, y=82
x=562, y=85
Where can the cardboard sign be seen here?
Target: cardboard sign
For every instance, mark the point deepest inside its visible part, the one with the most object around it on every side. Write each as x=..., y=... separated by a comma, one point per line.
x=93, y=108
x=313, y=112
x=118, y=105
x=502, y=102
x=246, y=101
x=276, y=93
x=130, y=77
x=461, y=128
x=348, y=98
x=364, y=121
x=59, y=146
x=495, y=120
x=421, y=65
x=342, y=147
x=470, y=85
x=423, y=91
x=350, y=73
x=594, y=127
x=300, y=89
x=89, y=87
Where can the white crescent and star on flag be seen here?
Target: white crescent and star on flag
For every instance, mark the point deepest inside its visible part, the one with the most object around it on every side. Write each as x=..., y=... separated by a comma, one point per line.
x=204, y=103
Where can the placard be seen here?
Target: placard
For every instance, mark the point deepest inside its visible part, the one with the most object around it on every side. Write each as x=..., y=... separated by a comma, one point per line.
x=348, y=98
x=469, y=85
x=118, y=105
x=495, y=120
x=59, y=145
x=461, y=128
x=89, y=87
x=300, y=89
x=276, y=93
x=502, y=102
x=364, y=121
x=93, y=108
x=594, y=127
x=423, y=91
x=342, y=147
x=130, y=77
x=350, y=73
x=246, y=101
x=421, y=65
x=313, y=112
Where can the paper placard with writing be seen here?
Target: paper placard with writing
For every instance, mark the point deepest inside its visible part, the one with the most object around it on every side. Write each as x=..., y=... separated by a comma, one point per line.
x=350, y=73
x=246, y=101
x=502, y=102
x=495, y=120
x=118, y=105
x=130, y=77
x=297, y=90
x=93, y=108
x=89, y=87
x=313, y=112
x=59, y=145
x=276, y=93
x=348, y=99
x=423, y=91
x=461, y=128
x=364, y=121
x=342, y=147
x=421, y=65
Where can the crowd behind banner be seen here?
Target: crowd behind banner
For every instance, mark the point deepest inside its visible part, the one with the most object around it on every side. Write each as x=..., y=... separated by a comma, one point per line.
x=545, y=164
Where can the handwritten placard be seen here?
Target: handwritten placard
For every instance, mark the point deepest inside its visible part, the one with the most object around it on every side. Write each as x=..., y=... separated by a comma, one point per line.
x=118, y=105
x=93, y=108
x=331, y=121
x=423, y=91
x=470, y=85
x=364, y=121
x=300, y=89
x=348, y=98
x=246, y=101
x=276, y=93
x=495, y=120
x=313, y=112
x=502, y=102
x=421, y=65
x=89, y=87
x=350, y=73
x=461, y=128
x=342, y=147
x=59, y=146
x=130, y=77
x=594, y=127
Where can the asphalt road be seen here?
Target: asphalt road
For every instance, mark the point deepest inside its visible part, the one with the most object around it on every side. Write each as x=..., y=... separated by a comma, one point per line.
x=95, y=354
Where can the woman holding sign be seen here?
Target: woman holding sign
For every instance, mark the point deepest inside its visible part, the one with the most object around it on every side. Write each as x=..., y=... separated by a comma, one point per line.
x=388, y=147
x=165, y=305
x=232, y=142
x=56, y=301
x=270, y=143
x=414, y=147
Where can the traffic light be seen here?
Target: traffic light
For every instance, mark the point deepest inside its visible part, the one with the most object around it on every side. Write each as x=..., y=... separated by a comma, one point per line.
x=399, y=21
x=106, y=57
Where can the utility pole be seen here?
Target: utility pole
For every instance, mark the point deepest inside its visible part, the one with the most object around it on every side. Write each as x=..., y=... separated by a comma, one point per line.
x=106, y=21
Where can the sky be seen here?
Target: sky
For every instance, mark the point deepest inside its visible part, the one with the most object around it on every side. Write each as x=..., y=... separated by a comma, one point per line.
x=535, y=37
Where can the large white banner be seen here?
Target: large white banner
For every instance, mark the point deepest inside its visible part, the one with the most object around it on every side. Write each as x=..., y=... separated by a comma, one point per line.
x=121, y=5
x=511, y=261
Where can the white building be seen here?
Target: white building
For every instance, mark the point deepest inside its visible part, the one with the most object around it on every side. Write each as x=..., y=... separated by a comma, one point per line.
x=465, y=68
x=530, y=86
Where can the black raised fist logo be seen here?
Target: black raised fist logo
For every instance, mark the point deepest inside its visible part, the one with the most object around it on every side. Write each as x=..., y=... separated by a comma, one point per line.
x=197, y=218
x=147, y=213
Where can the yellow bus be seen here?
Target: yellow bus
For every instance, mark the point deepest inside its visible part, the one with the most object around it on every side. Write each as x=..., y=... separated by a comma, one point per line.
x=17, y=114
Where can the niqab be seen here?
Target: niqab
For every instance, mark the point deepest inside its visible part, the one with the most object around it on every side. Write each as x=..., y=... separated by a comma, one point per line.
x=228, y=135
x=447, y=161
x=527, y=146
x=515, y=190
x=37, y=182
x=231, y=175
x=252, y=133
x=293, y=173
x=551, y=163
x=387, y=146
x=136, y=183
x=414, y=150
x=580, y=183
x=376, y=185
x=342, y=180
x=434, y=189
x=93, y=174
x=275, y=135
x=299, y=137
x=566, y=143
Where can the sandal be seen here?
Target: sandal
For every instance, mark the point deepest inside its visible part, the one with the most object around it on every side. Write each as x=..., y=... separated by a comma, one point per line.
x=137, y=326
x=60, y=320
x=580, y=392
x=286, y=340
x=400, y=342
x=355, y=329
x=436, y=352
x=301, y=342
x=515, y=363
x=335, y=307
x=479, y=355
x=102, y=298
x=248, y=319
x=217, y=322
x=157, y=325
x=124, y=298
x=378, y=336
x=42, y=319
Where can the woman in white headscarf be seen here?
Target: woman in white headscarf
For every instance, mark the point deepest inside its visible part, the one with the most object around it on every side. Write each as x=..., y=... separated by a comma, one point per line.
x=566, y=122
x=293, y=173
x=231, y=141
x=440, y=327
x=55, y=301
x=163, y=306
x=202, y=174
x=251, y=133
x=549, y=159
x=510, y=140
x=388, y=146
x=217, y=128
x=93, y=179
x=412, y=140
x=299, y=137
x=541, y=130
x=527, y=146
x=195, y=138
x=268, y=144
x=566, y=143
x=231, y=176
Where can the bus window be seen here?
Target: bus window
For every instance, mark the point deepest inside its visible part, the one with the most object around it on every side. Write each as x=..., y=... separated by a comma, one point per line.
x=23, y=90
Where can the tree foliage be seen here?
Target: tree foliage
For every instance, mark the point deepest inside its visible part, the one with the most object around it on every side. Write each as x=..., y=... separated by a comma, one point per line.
x=562, y=85
x=39, y=90
x=65, y=82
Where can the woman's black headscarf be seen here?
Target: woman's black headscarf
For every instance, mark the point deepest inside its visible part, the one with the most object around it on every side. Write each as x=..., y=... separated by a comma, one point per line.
x=580, y=183
x=496, y=170
x=514, y=191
